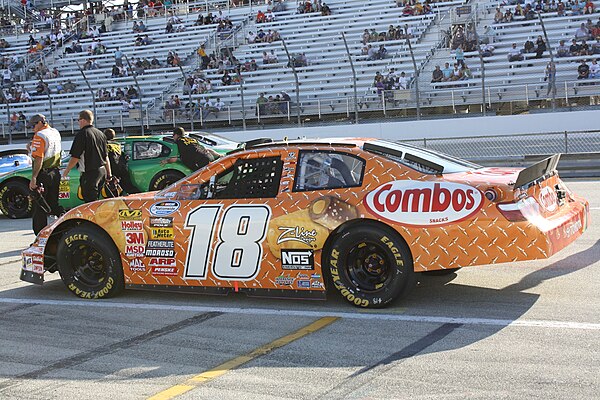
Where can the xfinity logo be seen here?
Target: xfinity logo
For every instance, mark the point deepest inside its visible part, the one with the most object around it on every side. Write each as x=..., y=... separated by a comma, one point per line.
x=297, y=259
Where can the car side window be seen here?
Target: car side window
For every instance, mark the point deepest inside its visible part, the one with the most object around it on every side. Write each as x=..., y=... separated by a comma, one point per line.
x=149, y=150
x=322, y=170
x=249, y=178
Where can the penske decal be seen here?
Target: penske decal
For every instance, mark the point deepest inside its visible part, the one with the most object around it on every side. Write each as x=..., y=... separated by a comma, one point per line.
x=417, y=203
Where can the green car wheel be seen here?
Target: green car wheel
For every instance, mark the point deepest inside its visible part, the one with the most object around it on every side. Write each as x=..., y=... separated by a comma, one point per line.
x=14, y=199
x=164, y=179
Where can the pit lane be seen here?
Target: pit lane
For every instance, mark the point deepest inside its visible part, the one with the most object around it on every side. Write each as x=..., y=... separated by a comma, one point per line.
x=524, y=330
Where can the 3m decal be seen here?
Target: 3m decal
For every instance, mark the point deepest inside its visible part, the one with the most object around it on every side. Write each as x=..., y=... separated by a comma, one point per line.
x=130, y=215
x=134, y=238
x=164, y=208
x=417, y=203
x=239, y=251
x=297, y=259
x=132, y=225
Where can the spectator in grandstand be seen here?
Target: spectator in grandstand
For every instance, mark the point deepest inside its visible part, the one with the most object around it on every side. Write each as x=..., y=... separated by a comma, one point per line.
x=574, y=49
x=142, y=27
x=594, y=69
x=381, y=53
x=487, y=50
x=562, y=50
x=498, y=16
x=584, y=49
x=226, y=79
x=402, y=82
x=7, y=77
x=70, y=87
x=589, y=7
x=447, y=72
x=251, y=37
x=550, y=77
x=582, y=33
x=273, y=57
x=456, y=73
x=540, y=47
x=4, y=44
x=260, y=17
x=325, y=10
x=528, y=47
x=460, y=55
x=596, y=47
x=261, y=102
x=21, y=120
x=583, y=71
x=437, y=75
x=514, y=54
x=366, y=37
x=508, y=16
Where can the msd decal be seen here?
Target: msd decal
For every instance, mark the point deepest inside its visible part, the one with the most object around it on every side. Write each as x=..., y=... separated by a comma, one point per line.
x=424, y=204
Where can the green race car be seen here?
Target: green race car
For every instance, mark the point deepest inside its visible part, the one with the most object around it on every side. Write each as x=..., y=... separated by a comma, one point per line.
x=145, y=154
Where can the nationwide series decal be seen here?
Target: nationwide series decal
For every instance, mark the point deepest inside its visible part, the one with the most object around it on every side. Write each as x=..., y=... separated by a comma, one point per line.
x=164, y=208
x=297, y=234
x=297, y=259
x=424, y=204
x=130, y=215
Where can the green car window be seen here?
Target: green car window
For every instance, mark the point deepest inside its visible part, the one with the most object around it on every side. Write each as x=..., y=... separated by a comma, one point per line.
x=149, y=150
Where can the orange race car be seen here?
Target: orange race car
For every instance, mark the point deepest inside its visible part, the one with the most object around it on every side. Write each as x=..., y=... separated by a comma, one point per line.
x=287, y=219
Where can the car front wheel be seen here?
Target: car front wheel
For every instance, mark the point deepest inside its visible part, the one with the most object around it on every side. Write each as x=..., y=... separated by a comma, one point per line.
x=164, y=179
x=89, y=263
x=370, y=265
x=14, y=199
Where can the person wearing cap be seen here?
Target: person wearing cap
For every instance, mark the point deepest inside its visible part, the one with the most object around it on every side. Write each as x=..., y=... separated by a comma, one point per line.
x=193, y=155
x=45, y=150
x=89, y=151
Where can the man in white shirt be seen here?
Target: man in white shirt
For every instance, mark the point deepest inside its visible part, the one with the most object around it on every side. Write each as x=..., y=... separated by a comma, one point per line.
x=251, y=37
x=402, y=81
x=594, y=69
x=514, y=54
x=7, y=76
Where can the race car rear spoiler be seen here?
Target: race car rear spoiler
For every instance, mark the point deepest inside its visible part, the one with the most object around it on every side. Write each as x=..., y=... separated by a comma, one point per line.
x=537, y=171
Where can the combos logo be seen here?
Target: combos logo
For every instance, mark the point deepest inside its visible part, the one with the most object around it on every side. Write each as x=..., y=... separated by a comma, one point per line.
x=164, y=208
x=297, y=259
x=548, y=199
x=424, y=204
x=132, y=225
x=130, y=215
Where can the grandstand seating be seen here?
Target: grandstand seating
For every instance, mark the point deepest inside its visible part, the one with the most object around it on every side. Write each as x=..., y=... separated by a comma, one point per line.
x=326, y=82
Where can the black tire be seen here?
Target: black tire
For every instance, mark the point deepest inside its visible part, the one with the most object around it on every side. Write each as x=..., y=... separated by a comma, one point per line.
x=441, y=272
x=370, y=265
x=164, y=179
x=89, y=263
x=14, y=199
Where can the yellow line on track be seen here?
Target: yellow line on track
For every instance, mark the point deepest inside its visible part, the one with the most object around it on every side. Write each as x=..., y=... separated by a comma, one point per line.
x=227, y=366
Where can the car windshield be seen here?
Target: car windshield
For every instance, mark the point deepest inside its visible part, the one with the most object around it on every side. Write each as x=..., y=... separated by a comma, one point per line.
x=423, y=160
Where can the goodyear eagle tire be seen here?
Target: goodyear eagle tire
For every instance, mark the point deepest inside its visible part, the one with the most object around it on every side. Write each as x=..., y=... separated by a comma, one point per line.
x=370, y=265
x=164, y=179
x=89, y=263
x=14, y=199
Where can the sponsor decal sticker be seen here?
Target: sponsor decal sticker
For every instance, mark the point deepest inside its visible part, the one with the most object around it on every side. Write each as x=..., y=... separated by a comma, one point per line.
x=160, y=252
x=27, y=263
x=548, y=199
x=164, y=271
x=130, y=215
x=304, y=284
x=316, y=285
x=297, y=259
x=134, y=238
x=573, y=228
x=134, y=250
x=164, y=208
x=137, y=265
x=162, y=262
x=424, y=204
x=42, y=242
x=284, y=280
x=161, y=233
x=161, y=222
x=297, y=234
x=160, y=244
x=64, y=189
x=132, y=225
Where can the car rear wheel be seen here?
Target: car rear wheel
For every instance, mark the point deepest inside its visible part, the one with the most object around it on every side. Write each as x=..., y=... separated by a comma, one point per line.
x=14, y=199
x=89, y=263
x=164, y=179
x=370, y=265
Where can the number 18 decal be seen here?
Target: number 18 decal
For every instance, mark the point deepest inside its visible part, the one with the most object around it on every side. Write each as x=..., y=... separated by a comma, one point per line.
x=238, y=252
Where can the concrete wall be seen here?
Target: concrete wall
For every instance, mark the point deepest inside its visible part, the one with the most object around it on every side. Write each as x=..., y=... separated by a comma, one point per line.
x=453, y=127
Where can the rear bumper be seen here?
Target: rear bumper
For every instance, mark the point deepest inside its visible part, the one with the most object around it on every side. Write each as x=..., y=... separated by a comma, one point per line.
x=32, y=267
x=568, y=226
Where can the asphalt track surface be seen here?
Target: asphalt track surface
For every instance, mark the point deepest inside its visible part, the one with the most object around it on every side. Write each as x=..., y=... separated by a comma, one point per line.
x=527, y=330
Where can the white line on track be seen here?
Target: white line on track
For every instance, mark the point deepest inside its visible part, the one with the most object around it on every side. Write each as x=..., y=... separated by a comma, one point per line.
x=594, y=208
x=315, y=314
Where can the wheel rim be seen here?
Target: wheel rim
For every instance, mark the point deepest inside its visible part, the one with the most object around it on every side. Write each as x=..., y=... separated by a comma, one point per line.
x=17, y=202
x=370, y=266
x=88, y=265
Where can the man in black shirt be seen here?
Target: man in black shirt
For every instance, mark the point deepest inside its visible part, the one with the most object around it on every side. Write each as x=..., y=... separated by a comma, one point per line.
x=118, y=163
x=89, y=150
x=193, y=155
